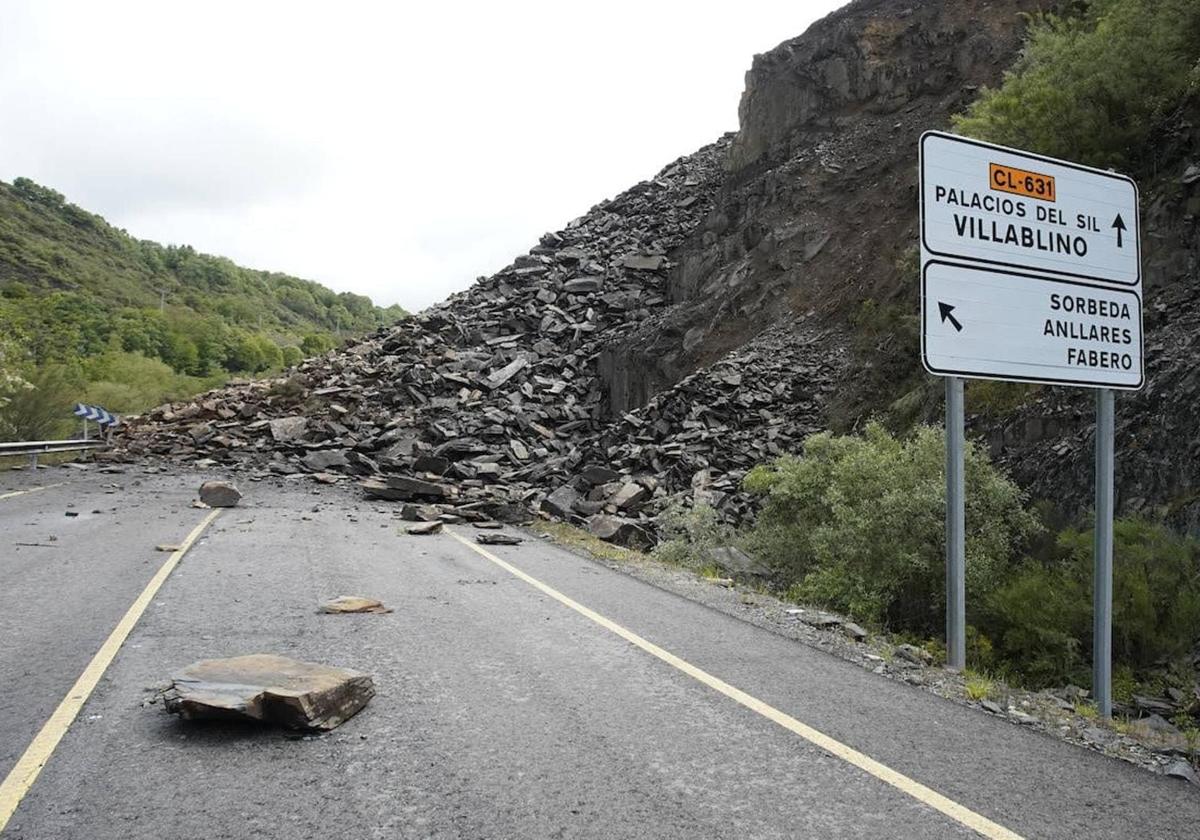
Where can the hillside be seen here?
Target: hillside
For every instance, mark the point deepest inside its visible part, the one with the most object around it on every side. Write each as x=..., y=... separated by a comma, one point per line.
x=90, y=312
x=70, y=282
x=818, y=205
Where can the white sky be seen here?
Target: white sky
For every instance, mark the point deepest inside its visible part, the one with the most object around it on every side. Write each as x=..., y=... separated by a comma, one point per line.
x=397, y=150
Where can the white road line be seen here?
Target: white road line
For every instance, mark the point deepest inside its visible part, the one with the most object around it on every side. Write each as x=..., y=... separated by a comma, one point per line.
x=959, y=813
x=30, y=490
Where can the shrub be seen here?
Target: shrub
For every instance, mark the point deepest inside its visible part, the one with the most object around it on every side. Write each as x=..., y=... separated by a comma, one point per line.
x=1093, y=88
x=686, y=534
x=858, y=524
x=314, y=344
x=1041, y=620
x=41, y=409
x=1034, y=620
x=292, y=355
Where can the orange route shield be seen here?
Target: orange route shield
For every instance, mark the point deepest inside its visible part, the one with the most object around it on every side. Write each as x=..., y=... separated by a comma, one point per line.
x=1009, y=179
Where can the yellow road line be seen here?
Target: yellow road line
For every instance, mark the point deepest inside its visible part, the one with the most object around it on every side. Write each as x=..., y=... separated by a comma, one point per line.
x=31, y=490
x=959, y=813
x=22, y=776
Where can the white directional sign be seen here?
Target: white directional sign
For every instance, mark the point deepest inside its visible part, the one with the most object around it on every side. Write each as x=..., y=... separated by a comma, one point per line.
x=1030, y=267
x=1002, y=207
x=1030, y=271
x=997, y=324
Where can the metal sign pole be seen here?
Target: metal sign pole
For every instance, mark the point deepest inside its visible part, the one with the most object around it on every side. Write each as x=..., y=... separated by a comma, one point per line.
x=1102, y=580
x=956, y=614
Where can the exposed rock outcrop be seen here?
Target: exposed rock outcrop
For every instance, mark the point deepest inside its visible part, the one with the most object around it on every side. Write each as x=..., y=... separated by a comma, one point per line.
x=821, y=198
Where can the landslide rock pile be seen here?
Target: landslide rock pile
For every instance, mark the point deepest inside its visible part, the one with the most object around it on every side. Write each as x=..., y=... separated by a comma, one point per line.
x=711, y=427
x=490, y=402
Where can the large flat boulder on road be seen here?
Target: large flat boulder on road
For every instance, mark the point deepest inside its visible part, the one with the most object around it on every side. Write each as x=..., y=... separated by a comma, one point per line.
x=273, y=689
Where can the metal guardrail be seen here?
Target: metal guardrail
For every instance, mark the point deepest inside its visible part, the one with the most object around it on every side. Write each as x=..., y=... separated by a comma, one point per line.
x=34, y=448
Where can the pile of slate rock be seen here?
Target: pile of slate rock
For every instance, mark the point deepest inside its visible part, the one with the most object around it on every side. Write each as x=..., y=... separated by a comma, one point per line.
x=489, y=404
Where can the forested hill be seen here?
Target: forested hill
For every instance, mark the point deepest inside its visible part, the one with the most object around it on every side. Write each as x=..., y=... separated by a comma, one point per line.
x=84, y=302
x=70, y=282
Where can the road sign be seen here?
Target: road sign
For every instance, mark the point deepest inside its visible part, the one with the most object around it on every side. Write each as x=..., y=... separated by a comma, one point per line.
x=95, y=412
x=1005, y=208
x=990, y=323
x=1030, y=267
x=1031, y=272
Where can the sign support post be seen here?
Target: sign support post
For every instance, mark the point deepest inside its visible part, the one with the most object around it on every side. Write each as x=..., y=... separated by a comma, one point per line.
x=1102, y=574
x=956, y=597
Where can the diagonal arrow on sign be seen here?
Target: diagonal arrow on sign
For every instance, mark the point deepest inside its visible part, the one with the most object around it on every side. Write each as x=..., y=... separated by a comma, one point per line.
x=946, y=309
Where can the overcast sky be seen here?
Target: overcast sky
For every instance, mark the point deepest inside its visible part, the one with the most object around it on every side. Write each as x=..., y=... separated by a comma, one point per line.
x=397, y=150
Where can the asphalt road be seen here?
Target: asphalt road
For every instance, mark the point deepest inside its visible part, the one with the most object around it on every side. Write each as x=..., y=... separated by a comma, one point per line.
x=501, y=711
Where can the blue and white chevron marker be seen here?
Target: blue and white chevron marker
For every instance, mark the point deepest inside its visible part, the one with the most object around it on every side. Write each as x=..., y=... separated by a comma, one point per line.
x=95, y=412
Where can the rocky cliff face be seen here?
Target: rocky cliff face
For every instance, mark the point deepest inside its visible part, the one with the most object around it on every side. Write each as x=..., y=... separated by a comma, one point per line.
x=820, y=195
x=875, y=57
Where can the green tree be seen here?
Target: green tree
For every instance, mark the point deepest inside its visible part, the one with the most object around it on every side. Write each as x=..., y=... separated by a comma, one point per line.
x=314, y=344
x=11, y=384
x=292, y=355
x=182, y=354
x=243, y=354
x=1093, y=88
x=270, y=354
x=42, y=410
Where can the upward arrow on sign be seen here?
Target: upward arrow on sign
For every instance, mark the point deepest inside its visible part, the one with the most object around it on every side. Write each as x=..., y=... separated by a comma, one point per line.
x=1119, y=224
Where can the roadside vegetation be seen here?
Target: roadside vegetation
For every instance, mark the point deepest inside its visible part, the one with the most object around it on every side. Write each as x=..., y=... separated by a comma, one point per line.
x=89, y=313
x=855, y=524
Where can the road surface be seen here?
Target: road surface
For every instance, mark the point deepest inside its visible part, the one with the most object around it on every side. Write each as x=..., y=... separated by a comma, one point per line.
x=523, y=692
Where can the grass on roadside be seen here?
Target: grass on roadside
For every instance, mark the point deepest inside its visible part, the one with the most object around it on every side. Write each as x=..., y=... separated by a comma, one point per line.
x=576, y=538
x=978, y=686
